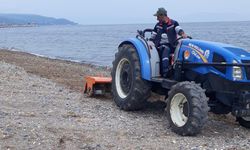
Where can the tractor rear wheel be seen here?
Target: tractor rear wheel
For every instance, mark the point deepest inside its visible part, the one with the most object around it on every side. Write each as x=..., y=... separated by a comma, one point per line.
x=187, y=108
x=244, y=121
x=129, y=90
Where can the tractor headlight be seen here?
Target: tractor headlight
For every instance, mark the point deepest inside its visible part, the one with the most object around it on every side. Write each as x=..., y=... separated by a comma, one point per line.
x=237, y=71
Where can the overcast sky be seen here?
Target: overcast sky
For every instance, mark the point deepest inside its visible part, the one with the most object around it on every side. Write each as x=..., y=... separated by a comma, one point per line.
x=131, y=11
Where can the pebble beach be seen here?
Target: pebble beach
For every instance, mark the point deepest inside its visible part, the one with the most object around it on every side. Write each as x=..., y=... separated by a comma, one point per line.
x=42, y=106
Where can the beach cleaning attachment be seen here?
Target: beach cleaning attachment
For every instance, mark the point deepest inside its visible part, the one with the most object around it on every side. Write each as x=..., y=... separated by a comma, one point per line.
x=97, y=85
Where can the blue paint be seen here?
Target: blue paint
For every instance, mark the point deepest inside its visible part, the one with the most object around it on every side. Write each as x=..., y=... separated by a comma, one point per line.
x=143, y=56
x=229, y=53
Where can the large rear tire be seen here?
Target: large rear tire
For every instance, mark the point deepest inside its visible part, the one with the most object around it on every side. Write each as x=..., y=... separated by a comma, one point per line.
x=187, y=108
x=130, y=91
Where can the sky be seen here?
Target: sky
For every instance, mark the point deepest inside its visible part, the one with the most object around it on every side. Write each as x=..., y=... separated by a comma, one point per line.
x=131, y=11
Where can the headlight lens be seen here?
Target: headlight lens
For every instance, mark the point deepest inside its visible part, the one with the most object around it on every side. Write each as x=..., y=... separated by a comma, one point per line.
x=237, y=72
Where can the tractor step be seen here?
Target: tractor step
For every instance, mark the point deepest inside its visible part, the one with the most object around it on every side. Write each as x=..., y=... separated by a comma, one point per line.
x=97, y=85
x=165, y=83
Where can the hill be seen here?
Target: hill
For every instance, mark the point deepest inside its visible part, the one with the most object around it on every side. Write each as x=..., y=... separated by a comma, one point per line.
x=28, y=19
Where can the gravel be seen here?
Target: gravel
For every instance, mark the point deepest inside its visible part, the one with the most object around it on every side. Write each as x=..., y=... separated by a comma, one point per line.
x=38, y=113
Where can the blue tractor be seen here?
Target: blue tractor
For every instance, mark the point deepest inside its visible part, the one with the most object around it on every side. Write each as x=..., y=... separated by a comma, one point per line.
x=204, y=76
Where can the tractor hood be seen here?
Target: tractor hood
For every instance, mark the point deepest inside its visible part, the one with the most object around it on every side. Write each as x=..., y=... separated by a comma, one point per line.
x=238, y=51
x=220, y=48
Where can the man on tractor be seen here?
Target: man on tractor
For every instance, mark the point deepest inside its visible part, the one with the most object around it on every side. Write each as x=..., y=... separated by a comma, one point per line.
x=164, y=37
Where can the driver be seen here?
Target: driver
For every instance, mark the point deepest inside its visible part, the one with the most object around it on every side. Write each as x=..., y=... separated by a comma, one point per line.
x=164, y=37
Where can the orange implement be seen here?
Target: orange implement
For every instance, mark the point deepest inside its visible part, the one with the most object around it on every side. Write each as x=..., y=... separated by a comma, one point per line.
x=97, y=85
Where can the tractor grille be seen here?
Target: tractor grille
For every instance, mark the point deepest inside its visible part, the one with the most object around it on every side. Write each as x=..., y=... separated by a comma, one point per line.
x=247, y=69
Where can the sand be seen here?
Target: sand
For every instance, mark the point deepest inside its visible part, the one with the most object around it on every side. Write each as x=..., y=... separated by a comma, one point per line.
x=63, y=72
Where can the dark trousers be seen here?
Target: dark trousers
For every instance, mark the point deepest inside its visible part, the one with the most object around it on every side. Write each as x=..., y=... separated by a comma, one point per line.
x=164, y=53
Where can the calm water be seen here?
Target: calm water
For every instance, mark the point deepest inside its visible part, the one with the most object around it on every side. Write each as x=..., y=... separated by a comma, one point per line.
x=98, y=44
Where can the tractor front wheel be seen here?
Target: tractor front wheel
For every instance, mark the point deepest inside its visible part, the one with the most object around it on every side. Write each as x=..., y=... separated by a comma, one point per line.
x=244, y=121
x=187, y=108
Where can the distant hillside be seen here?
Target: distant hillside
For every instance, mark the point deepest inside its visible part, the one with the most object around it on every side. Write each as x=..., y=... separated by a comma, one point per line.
x=21, y=19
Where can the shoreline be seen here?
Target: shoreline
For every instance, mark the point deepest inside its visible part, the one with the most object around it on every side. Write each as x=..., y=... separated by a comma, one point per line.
x=55, y=58
x=64, y=72
x=18, y=26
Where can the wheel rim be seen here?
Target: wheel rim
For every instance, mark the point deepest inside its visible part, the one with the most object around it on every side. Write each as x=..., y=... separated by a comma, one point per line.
x=123, y=78
x=179, y=110
x=246, y=118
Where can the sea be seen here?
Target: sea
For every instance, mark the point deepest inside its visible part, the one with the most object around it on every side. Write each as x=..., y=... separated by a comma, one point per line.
x=97, y=44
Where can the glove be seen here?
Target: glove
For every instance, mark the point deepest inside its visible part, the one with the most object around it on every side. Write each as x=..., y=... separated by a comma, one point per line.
x=153, y=36
x=164, y=39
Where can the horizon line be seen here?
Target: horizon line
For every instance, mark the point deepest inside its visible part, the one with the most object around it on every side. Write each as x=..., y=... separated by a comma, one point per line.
x=156, y=22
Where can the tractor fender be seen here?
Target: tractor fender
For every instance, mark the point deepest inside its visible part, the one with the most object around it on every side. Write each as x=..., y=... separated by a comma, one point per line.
x=143, y=56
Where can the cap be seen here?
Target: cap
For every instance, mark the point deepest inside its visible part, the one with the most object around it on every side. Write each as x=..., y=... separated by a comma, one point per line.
x=161, y=12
